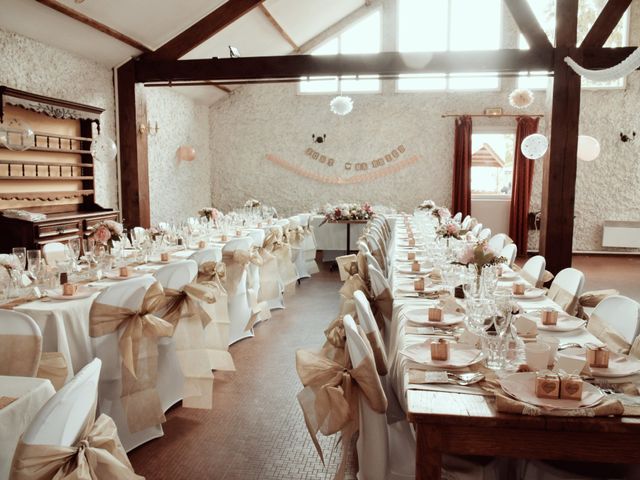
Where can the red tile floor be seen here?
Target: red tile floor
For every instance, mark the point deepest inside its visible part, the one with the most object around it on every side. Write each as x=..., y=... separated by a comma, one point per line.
x=256, y=429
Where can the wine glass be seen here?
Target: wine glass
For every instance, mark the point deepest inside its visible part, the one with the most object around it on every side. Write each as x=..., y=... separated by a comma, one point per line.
x=74, y=248
x=21, y=255
x=34, y=263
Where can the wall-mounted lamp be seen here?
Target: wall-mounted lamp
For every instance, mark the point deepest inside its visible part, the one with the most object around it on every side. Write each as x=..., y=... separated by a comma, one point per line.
x=627, y=138
x=148, y=129
x=319, y=138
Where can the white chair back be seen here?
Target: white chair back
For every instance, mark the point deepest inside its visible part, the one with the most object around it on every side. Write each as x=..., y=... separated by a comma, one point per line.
x=484, y=234
x=14, y=324
x=177, y=274
x=466, y=222
x=304, y=219
x=365, y=315
x=498, y=241
x=509, y=252
x=54, y=252
x=476, y=230
x=257, y=235
x=206, y=255
x=570, y=280
x=534, y=267
x=372, y=262
x=242, y=243
x=363, y=247
x=373, y=440
x=457, y=217
x=378, y=281
x=622, y=314
x=61, y=419
x=138, y=233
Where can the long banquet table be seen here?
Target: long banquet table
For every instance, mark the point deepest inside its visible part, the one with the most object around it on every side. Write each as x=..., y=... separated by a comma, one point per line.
x=450, y=419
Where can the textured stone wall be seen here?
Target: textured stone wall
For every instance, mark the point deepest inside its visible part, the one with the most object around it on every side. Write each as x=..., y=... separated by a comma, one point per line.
x=177, y=189
x=35, y=67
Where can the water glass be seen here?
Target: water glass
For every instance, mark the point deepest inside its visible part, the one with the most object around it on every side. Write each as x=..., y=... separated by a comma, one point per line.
x=21, y=255
x=492, y=347
x=34, y=263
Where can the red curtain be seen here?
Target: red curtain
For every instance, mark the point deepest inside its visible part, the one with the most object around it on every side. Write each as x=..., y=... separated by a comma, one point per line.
x=522, y=181
x=461, y=198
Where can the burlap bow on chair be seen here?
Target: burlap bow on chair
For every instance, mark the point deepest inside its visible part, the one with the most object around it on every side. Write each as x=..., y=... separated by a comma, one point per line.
x=566, y=300
x=98, y=454
x=269, y=276
x=330, y=399
x=138, y=345
x=294, y=236
x=614, y=340
x=282, y=251
x=351, y=264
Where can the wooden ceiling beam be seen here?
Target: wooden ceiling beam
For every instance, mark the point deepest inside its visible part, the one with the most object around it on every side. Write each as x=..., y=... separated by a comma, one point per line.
x=528, y=23
x=605, y=23
x=283, y=33
x=385, y=64
x=203, y=30
x=90, y=22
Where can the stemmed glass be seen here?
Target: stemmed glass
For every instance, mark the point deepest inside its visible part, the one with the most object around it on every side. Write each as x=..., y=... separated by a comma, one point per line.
x=21, y=255
x=34, y=263
x=74, y=248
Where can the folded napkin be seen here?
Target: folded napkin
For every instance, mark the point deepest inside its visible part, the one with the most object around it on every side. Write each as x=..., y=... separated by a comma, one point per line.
x=609, y=407
x=24, y=215
x=4, y=401
x=525, y=326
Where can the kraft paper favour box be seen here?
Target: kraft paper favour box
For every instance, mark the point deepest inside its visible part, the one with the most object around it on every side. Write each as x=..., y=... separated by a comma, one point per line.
x=435, y=314
x=224, y=238
x=440, y=350
x=547, y=385
x=259, y=224
x=549, y=316
x=499, y=270
x=69, y=289
x=518, y=288
x=415, y=266
x=418, y=284
x=164, y=257
x=123, y=271
x=238, y=233
x=571, y=387
x=202, y=244
x=597, y=356
x=412, y=242
x=411, y=256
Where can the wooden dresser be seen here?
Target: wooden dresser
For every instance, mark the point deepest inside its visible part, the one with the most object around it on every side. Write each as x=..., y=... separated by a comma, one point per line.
x=51, y=172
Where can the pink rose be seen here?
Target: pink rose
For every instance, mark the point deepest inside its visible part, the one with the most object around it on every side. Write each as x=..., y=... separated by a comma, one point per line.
x=102, y=234
x=452, y=229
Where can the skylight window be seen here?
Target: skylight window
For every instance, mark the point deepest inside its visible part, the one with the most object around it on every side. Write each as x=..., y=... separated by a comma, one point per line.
x=361, y=38
x=448, y=25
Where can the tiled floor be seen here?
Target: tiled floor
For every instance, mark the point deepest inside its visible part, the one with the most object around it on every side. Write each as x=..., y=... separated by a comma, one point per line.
x=256, y=429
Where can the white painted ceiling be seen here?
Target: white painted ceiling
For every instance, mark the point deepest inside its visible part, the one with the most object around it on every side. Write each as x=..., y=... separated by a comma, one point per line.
x=154, y=22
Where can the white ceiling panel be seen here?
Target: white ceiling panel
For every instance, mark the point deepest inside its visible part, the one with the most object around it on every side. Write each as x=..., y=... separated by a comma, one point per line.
x=304, y=19
x=252, y=34
x=33, y=20
x=151, y=22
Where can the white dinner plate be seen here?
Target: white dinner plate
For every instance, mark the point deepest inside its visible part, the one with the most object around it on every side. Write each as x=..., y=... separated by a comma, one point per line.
x=406, y=270
x=522, y=386
x=82, y=292
x=619, y=365
x=460, y=355
x=530, y=294
x=566, y=323
x=113, y=275
x=420, y=316
x=508, y=276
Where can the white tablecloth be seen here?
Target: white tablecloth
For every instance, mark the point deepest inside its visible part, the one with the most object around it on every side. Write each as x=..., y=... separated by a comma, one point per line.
x=333, y=236
x=31, y=394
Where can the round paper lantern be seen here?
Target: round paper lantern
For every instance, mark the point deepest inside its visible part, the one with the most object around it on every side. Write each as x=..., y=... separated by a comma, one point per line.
x=534, y=146
x=103, y=148
x=588, y=148
x=16, y=135
x=186, y=153
x=341, y=105
x=521, y=98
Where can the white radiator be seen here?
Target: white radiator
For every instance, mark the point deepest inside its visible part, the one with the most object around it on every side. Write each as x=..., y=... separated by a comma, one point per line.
x=621, y=234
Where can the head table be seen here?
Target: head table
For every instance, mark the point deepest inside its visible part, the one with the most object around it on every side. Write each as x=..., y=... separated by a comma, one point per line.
x=464, y=420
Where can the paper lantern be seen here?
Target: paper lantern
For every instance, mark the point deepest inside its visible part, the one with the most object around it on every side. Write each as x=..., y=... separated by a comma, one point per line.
x=521, y=98
x=534, y=146
x=588, y=148
x=16, y=135
x=186, y=153
x=103, y=148
x=341, y=105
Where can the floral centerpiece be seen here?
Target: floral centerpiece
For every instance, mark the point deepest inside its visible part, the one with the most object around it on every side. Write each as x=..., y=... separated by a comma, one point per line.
x=479, y=254
x=449, y=229
x=107, y=232
x=441, y=213
x=11, y=264
x=252, y=203
x=209, y=212
x=347, y=212
x=427, y=205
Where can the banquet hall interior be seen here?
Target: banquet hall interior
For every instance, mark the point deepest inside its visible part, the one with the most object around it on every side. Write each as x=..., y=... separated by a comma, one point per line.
x=319, y=239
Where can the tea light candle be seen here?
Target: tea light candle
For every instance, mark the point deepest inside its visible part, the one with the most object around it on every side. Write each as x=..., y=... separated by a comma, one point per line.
x=518, y=288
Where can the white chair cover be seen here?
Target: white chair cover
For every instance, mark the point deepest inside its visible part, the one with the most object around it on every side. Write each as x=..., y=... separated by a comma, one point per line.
x=297, y=252
x=54, y=252
x=484, y=234
x=457, y=217
x=566, y=288
x=466, y=223
x=499, y=241
x=620, y=313
x=20, y=344
x=309, y=244
x=534, y=269
x=128, y=294
x=510, y=252
x=239, y=307
x=476, y=230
